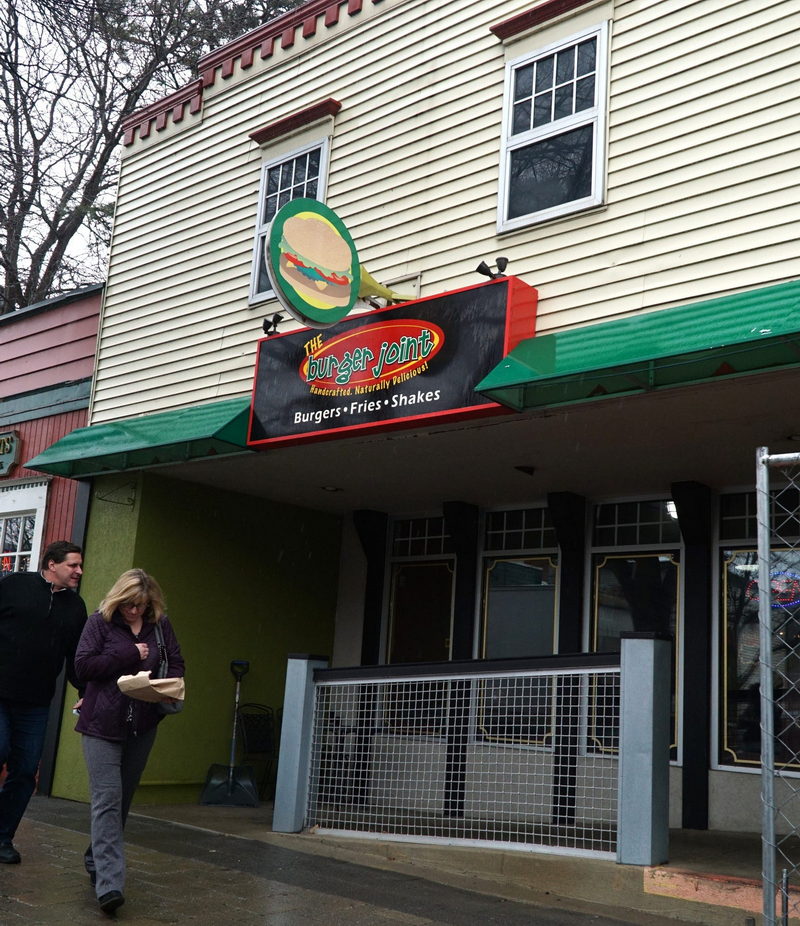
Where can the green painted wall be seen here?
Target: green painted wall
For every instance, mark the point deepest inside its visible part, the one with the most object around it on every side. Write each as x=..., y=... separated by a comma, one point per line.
x=108, y=551
x=243, y=579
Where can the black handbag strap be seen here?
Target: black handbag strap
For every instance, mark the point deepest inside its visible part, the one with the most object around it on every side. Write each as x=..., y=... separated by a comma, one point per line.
x=163, y=666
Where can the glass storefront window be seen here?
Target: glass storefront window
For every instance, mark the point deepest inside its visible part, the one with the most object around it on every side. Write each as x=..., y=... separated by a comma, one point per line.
x=519, y=607
x=741, y=713
x=634, y=592
x=518, y=711
x=637, y=592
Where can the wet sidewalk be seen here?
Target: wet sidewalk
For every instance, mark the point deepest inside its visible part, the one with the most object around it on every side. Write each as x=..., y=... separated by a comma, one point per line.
x=712, y=878
x=210, y=865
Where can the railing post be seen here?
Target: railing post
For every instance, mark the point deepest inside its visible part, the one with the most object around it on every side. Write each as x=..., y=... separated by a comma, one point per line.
x=291, y=789
x=643, y=806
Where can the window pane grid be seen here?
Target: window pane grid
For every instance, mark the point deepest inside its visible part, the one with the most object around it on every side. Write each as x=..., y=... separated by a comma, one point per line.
x=420, y=537
x=290, y=179
x=16, y=542
x=519, y=529
x=636, y=524
x=554, y=87
x=737, y=514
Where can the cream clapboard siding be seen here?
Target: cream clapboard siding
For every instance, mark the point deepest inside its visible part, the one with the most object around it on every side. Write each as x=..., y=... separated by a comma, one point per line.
x=703, y=180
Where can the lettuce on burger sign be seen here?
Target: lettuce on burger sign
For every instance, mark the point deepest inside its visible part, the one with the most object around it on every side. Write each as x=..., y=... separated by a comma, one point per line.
x=312, y=263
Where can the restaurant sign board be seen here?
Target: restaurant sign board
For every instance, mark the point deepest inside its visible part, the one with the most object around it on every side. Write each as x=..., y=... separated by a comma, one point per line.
x=9, y=451
x=416, y=363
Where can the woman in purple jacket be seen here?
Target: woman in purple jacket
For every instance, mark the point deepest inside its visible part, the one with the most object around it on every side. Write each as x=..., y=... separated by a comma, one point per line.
x=119, y=732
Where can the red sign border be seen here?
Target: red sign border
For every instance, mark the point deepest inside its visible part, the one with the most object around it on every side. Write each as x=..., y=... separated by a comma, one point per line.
x=521, y=305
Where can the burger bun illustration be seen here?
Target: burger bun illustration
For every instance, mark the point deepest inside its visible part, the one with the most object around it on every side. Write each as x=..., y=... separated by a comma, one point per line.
x=316, y=261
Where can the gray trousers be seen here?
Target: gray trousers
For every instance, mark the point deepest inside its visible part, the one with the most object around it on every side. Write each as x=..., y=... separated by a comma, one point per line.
x=114, y=773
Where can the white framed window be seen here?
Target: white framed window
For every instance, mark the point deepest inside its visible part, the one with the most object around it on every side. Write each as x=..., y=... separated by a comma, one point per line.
x=299, y=173
x=554, y=130
x=22, y=507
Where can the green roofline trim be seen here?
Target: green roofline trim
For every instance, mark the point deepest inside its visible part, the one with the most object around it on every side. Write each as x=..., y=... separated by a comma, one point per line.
x=152, y=440
x=752, y=332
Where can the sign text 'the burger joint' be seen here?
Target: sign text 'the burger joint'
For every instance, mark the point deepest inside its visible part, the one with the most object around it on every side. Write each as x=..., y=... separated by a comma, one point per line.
x=372, y=356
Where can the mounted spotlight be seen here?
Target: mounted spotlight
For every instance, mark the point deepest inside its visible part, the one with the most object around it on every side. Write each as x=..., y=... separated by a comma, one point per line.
x=485, y=270
x=270, y=325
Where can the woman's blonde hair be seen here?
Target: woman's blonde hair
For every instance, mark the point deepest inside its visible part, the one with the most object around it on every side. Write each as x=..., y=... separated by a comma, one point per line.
x=137, y=586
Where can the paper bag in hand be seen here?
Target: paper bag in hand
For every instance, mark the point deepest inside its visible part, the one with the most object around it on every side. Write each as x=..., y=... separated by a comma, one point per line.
x=144, y=688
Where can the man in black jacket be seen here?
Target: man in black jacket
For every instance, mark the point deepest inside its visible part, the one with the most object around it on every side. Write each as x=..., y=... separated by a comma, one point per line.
x=41, y=618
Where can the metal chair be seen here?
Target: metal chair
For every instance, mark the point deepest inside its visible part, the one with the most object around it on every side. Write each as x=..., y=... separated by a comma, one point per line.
x=259, y=742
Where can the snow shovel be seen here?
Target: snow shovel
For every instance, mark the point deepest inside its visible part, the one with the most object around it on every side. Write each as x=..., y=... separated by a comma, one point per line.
x=232, y=784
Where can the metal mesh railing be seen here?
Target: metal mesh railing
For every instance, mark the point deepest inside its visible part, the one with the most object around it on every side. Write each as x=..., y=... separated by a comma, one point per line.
x=524, y=760
x=778, y=510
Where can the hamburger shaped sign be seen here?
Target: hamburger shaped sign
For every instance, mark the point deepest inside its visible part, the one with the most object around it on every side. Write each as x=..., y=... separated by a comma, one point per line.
x=312, y=263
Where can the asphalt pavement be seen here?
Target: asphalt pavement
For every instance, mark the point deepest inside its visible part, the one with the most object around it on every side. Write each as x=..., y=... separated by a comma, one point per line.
x=184, y=874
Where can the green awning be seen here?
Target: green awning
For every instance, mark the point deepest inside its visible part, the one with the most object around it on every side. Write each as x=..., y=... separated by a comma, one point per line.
x=152, y=440
x=751, y=332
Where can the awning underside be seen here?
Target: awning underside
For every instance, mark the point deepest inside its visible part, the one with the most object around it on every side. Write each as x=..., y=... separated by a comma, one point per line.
x=736, y=335
x=152, y=440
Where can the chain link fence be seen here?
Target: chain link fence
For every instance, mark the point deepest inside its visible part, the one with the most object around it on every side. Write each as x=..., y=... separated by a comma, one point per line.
x=778, y=508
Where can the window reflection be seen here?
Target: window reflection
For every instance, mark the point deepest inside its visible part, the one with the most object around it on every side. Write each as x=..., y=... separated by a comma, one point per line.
x=519, y=607
x=741, y=670
x=16, y=542
x=550, y=172
x=637, y=593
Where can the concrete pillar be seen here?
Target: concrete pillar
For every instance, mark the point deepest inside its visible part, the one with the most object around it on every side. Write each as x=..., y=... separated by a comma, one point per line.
x=643, y=811
x=291, y=789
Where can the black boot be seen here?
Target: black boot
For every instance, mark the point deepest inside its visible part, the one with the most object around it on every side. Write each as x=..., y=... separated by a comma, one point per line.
x=88, y=864
x=110, y=902
x=9, y=855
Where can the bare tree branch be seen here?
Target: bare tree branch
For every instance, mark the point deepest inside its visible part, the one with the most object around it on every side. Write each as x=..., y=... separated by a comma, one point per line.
x=70, y=72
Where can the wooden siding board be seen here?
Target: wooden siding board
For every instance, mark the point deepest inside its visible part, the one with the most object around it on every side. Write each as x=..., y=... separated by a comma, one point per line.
x=49, y=347
x=673, y=29
x=21, y=359
x=40, y=379
x=734, y=54
x=774, y=127
x=678, y=115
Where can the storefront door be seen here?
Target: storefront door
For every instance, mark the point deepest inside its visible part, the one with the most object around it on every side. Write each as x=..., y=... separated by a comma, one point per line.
x=420, y=611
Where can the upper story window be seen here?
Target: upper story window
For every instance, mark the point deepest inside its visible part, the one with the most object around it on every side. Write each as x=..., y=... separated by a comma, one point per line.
x=300, y=173
x=553, y=159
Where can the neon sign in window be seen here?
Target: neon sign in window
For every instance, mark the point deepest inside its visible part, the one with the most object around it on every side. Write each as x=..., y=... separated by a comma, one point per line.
x=784, y=588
